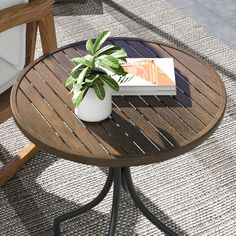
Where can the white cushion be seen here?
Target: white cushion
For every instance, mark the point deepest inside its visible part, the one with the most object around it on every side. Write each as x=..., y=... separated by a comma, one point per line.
x=12, y=49
x=12, y=46
x=10, y=3
x=8, y=75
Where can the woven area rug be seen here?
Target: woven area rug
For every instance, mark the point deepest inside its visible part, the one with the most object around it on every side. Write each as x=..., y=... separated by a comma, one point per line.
x=194, y=194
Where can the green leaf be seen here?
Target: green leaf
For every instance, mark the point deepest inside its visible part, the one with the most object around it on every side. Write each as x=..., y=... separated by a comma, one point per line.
x=84, y=87
x=99, y=89
x=110, y=81
x=91, y=59
x=70, y=81
x=101, y=39
x=76, y=100
x=89, y=46
x=97, y=72
x=118, y=71
x=83, y=61
x=91, y=80
x=105, y=49
x=82, y=75
x=122, y=61
x=109, y=61
x=76, y=73
x=77, y=67
x=119, y=54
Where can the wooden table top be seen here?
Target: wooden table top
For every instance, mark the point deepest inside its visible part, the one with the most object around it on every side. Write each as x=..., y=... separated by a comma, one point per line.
x=141, y=129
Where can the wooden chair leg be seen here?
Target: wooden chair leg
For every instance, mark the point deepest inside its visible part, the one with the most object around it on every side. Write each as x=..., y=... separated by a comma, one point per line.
x=12, y=167
x=31, y=35
x=47, y=33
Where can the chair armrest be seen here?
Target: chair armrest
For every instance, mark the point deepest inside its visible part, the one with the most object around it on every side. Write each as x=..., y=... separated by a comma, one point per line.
x=24, y=13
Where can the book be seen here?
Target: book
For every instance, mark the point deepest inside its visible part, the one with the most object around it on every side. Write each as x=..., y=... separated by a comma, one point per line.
x=147, y=76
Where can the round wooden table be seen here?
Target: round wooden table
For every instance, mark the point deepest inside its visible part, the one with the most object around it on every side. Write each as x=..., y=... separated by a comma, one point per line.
x=141, y=129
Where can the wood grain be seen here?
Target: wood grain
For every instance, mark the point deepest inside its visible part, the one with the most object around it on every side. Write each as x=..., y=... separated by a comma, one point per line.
x=16, y=15
x=31, y=35
x=47, y=32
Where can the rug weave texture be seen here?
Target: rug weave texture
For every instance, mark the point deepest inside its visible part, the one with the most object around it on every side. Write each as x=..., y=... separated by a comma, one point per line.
x=194, y=194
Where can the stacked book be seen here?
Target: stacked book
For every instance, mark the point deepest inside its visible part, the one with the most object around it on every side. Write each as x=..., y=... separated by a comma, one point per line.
x=148, y=76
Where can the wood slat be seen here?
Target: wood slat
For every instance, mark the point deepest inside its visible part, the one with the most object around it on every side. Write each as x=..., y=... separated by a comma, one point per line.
x=141, y=49
x=164, y=111
x=118, y=136
x=26, y=107
x=64, y=60
x=112, y=138
x=105, y=139
x=195, y=95
x=142, y=124
x=150, y=115
x=183, y=113
x=134, y=132
x=193, y=107
x=66, y=115
x=56, y=68
x=52, y=118
x=71, y=52
x=81, y=48
x=201, y=71
x=55, y=83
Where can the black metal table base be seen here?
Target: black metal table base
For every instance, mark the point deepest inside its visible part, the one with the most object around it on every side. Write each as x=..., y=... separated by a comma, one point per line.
x=121, y=178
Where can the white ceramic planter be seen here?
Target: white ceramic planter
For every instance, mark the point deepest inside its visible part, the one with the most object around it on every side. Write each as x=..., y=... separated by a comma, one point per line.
x=92, y=109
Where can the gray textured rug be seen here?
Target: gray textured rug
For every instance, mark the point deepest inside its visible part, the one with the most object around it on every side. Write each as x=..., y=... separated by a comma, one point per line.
x=195, y=194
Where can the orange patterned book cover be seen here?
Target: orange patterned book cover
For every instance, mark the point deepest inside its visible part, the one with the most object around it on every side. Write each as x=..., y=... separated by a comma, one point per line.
x=150, y=71
x=143, y=69
x=148, y=76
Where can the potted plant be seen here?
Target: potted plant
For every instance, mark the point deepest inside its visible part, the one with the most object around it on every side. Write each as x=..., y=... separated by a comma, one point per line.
x=92, y=78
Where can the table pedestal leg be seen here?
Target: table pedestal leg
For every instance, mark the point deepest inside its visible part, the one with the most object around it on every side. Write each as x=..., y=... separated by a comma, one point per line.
x=121, y=178
x=115, y=203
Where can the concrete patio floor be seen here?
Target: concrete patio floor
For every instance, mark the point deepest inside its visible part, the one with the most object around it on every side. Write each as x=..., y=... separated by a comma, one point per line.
x=218, y=16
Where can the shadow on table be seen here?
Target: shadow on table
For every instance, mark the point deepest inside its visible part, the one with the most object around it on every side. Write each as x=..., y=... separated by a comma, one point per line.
x=78, y=7
x=36, y=208
x=120, y=134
